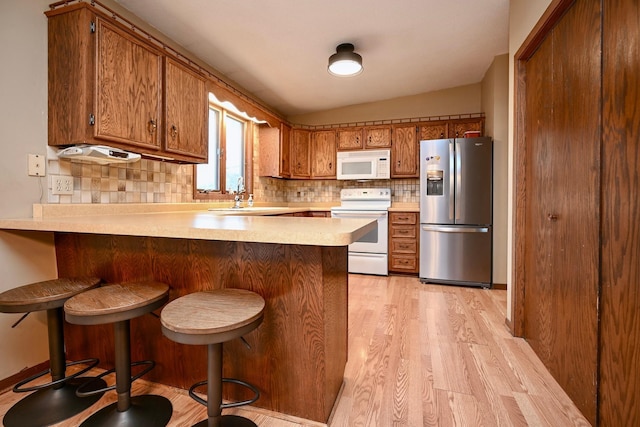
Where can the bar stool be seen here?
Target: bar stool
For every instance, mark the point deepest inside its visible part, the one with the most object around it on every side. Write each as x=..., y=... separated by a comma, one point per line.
x=56, y=400
x=118, y=304
x=211, y=318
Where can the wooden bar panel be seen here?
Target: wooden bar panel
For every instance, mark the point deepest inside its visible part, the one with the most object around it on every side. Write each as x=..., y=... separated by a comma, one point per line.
x=299, y=352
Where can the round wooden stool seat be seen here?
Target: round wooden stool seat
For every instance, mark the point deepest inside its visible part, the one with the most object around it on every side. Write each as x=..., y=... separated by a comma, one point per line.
x=56, y=400
x=44, y=295
x=211, y=318
x=115, y=303
x=118, y=304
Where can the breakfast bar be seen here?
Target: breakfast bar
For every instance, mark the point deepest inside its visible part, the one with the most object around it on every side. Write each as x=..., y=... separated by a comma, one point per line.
x=298, y=265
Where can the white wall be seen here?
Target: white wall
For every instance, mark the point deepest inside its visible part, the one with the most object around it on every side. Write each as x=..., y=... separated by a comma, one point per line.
x=24, y=257
x=451, y=101
x=495, y=99
x=523, y=16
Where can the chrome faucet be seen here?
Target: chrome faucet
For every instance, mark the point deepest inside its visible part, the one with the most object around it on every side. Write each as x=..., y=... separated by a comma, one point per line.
x=240, y=191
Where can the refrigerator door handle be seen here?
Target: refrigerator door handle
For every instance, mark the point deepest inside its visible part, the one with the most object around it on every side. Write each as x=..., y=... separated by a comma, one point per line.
x=459, y=200
x=447, y=229
x=451, y=180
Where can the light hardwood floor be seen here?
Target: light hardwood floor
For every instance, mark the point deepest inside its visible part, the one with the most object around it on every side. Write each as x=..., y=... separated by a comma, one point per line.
x=419, y=355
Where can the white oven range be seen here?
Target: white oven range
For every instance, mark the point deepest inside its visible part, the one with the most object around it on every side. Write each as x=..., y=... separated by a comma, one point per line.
x=369, y=255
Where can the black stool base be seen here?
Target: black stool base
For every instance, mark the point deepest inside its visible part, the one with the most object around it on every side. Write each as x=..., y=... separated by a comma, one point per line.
x=50, y=406
x=229, y=421
x=145, y=411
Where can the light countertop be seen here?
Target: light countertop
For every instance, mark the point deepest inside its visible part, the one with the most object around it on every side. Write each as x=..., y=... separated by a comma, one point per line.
x=226, y=224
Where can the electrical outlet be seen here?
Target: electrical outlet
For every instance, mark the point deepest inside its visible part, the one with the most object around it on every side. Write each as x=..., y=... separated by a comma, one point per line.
x=62, y=185
x=36, y=165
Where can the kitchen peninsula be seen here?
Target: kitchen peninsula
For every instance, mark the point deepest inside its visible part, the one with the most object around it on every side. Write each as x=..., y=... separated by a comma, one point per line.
x=299, y=265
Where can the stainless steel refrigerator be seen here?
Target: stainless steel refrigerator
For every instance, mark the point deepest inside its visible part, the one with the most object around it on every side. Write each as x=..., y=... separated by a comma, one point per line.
x=456, y=200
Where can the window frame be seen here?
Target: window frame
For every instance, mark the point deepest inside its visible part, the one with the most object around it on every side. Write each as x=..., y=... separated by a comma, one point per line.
x=249, y=131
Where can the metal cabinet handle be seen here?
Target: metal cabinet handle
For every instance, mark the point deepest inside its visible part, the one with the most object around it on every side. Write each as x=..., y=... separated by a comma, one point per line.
x=174, y=131
x=552, y=217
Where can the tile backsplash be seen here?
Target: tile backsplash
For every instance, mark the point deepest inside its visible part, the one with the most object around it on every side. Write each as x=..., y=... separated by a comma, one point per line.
x=151, y=181
x=145, y=181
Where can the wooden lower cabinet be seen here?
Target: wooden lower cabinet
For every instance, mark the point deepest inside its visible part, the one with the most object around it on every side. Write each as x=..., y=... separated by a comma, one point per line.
x=403, y=242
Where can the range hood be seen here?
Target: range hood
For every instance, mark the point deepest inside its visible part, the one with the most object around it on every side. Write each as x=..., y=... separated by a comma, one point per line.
x=98, y=154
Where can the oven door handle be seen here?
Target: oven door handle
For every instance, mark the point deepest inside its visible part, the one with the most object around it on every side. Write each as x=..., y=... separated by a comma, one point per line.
x=358, y=214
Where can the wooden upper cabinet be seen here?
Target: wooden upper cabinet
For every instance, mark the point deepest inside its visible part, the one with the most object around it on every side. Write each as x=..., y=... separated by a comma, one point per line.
x=300, y=146
x=350, y=139
x=457, y=128
x=436, y=130
x=404, y=152
x=285, y=150
x=107, y=85
x=377, y=137
x=364, y=137
x=274, y=158
x=323, y=154
x=187, y=110
x=124, y=67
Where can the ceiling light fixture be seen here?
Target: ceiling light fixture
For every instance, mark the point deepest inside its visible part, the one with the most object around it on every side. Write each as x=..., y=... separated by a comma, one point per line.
x=345, y=62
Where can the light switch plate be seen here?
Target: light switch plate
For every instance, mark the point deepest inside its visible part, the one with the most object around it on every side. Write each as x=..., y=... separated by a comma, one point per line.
x=36, y=165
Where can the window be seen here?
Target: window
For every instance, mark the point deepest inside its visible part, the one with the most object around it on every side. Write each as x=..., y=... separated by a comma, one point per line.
x=229, y=157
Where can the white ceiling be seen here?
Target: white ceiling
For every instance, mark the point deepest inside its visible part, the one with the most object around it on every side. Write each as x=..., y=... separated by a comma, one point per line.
x=278, y=49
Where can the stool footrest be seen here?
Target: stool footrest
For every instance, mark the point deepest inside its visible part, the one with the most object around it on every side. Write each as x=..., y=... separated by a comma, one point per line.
x=18, y=388
x=80, y=393
x=256, y=393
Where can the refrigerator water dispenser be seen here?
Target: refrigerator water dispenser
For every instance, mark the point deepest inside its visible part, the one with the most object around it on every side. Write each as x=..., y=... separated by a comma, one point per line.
x=435, y=184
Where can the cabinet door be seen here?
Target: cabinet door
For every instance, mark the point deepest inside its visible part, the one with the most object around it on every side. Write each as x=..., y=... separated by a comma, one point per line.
x=404, y=152
x=186, y=111
x=457, y=128
x=128, y=104
x=377, y=137
x=300, y=140
x=285, y=150
x=438, y=130
x=350, y=139
x=323, y=154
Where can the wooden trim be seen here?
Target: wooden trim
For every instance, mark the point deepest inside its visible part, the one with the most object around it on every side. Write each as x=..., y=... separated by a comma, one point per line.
x=408, y=120
x=546, y=23
x=499, y=286
x=9, y=382
x=543, y=27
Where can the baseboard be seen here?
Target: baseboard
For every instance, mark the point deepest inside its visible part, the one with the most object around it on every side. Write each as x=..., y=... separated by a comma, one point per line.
x=9, y=382
x=499, y=286
x=509, y=324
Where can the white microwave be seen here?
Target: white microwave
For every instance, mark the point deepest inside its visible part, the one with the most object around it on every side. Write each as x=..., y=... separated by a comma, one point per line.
x=364, y=164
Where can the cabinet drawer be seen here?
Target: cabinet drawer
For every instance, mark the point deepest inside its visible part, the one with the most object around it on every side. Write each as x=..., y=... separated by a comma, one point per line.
x=407, y=231
x=403, y=217
x=404, y=246
x=403, y=263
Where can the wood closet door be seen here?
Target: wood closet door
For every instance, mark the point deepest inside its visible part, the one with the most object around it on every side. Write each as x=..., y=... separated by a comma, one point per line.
x=562, y=215
x=620, y=320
